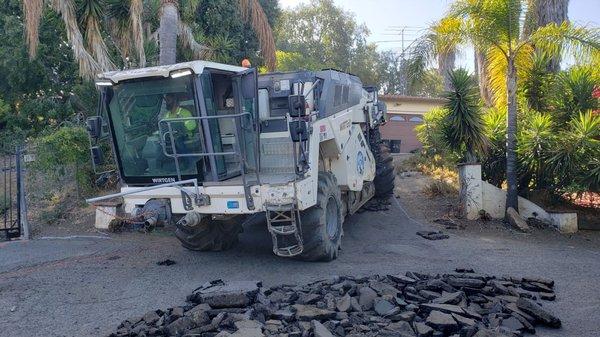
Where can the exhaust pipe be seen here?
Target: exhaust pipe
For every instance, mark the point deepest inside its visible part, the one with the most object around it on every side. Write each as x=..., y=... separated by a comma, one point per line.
x=191, y=219
x=151, y=221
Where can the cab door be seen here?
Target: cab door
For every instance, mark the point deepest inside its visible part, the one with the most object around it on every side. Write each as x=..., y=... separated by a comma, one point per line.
x=245, y=86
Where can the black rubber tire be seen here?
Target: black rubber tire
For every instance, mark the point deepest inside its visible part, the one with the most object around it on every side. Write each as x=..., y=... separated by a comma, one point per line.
x=319, y=245
x=384, y=175
x=210, y=235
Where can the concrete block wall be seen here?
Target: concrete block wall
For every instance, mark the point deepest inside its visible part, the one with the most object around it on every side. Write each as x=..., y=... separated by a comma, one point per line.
x=477, y=195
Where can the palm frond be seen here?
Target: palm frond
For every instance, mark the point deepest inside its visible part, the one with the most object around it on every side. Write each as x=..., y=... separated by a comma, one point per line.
x=95, y=43
x=188, y=40
x=136, y=9
x=188, y=9
x=553, y=39
x=497, y=68
x=33, y=12
x=92, y=11
x=420, y=57
x=88, y=67
x=118, y=19
x=447, y=35
x=253, y=13
x=490, y=22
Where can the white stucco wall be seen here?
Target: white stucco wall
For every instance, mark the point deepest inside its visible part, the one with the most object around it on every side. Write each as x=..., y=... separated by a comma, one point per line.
x=477, y=195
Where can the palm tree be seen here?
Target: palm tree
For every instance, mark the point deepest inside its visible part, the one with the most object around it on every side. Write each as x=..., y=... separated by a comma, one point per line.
x=121, y=23
x=89, y=48
x=495, y=26
x=440, y=43
x=541, y=13
x=483, y=77
x=171, y=26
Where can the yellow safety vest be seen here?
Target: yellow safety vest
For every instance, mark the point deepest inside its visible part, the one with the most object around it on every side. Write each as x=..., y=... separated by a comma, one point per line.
x=190, y=125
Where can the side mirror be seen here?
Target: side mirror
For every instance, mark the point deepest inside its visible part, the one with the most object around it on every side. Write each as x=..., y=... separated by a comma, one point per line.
x=97, y=156
x=297, y=105
x=94, y=127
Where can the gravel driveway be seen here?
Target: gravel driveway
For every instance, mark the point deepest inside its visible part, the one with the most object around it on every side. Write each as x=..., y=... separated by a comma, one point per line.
x=85, y=287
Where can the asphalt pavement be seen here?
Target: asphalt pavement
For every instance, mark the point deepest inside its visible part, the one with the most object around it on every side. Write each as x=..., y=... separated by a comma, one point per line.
x=86, y=286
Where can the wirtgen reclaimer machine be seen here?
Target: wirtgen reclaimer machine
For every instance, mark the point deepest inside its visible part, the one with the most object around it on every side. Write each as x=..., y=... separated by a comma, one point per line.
x=209, y=144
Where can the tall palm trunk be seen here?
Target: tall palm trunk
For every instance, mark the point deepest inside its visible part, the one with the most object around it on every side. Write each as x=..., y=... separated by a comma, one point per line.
x=169, y=24
x=543, y=12
x=136, y=9
x=445, y=66
x=512, y=197
x=483, y=77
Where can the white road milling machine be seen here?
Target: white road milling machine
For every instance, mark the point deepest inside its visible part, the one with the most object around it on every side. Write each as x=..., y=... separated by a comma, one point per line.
x=205, y=145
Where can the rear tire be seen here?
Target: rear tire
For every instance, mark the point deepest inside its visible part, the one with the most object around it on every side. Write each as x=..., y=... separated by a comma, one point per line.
x=322, y=224
x=209, y=235
x=384, y=175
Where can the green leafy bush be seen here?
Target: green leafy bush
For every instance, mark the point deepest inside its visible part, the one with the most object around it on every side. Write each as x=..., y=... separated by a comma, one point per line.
x=63, y=152
x=574, y=157
x=431, y=133
x=572, y=94
x=536, y=139
x=463, y=124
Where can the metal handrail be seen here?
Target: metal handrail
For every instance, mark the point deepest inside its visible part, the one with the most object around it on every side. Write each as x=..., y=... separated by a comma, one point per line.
x=148, y=188
x=238, y=153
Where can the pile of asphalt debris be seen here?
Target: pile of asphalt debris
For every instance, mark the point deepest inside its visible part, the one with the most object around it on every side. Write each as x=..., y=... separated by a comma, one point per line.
x=458, y=304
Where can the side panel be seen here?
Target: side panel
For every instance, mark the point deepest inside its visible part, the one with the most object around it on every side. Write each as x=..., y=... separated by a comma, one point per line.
x=356, y=164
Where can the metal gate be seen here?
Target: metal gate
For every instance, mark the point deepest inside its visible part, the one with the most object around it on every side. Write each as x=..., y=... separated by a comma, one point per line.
x=12, y=197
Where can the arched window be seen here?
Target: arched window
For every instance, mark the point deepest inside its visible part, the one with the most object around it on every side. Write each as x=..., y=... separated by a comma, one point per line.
x=416, y=119
x=397, y=119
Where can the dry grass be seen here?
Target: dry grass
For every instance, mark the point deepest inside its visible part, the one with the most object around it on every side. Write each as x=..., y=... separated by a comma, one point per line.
x=443, y=174
x=440, y=188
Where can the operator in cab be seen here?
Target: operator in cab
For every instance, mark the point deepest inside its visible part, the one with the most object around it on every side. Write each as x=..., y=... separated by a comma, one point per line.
x=174, y=110
x=185, y=133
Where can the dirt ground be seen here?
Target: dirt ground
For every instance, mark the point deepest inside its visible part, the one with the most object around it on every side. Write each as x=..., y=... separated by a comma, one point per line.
x=85, y=285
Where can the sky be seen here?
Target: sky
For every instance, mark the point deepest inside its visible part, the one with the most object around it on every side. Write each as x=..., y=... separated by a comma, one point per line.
x=385, y=18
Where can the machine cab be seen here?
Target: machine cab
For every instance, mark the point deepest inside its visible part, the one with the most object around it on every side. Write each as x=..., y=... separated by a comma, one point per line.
x=194, y=120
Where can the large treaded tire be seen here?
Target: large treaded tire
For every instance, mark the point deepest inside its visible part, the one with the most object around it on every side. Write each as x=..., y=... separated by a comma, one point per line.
x=384, y=175
x=321, y=244
x=209, y=235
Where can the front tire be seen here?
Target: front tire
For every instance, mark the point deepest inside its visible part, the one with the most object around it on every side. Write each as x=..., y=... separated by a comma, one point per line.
x=209, y=235
x=322, y=224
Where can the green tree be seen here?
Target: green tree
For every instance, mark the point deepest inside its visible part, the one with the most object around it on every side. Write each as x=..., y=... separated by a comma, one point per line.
x=495, y=26
x=41, y=92
x=175, y=21
x=439, y=43
x=230, y=38
x=540, y=13
x=328, y=37
x=99, y=31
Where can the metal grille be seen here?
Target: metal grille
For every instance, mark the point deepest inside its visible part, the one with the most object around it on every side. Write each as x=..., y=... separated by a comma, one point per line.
x=11, y=195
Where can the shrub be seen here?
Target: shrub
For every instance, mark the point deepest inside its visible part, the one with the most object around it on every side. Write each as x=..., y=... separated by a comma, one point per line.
x=463, y=126
x=494, y=161
x=574, y=157
x=573, y=93
x=431, y=132
x=64, y=152
x=536, y=139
